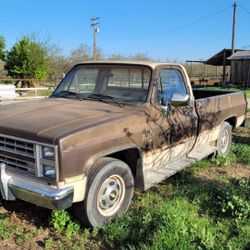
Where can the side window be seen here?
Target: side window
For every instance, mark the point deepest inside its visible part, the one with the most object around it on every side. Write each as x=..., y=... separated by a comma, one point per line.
x=172, y=82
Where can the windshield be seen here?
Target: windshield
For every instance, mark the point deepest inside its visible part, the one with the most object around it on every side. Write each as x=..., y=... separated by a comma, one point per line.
x=109, y=82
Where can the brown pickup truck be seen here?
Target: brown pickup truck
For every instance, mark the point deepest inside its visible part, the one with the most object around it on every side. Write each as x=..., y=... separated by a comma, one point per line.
x=107, y=128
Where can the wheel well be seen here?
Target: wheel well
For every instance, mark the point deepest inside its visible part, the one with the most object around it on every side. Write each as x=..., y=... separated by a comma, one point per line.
x=232, y=121
x=129, y=156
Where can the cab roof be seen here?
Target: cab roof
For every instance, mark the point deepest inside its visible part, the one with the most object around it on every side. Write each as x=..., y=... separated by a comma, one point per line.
x=150, y=64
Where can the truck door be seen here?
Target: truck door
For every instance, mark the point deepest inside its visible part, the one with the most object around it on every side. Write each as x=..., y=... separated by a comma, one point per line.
x=174, y=127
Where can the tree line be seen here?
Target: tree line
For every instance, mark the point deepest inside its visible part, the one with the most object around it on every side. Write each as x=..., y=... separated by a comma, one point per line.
x=41, y=59
x=34, y=58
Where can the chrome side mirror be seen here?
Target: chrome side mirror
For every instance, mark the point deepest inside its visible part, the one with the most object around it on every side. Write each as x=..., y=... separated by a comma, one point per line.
x=179, y=100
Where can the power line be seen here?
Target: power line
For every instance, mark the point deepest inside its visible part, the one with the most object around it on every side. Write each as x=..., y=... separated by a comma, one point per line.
x=245, y=47
x=245, y=9
x=174, y=29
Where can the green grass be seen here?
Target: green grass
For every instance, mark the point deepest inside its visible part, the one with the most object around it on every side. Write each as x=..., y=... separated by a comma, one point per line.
x=186, y=211
x=195, y=214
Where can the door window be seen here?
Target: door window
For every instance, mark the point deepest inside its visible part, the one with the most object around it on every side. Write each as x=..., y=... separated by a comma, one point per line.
x=171, y=82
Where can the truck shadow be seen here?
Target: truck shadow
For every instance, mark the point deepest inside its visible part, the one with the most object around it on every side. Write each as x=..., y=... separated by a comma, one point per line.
x=26, y=212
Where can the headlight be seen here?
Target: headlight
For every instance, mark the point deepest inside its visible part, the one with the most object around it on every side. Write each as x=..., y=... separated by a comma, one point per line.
x=48, y=153
x=49, y=172
x=46, y=162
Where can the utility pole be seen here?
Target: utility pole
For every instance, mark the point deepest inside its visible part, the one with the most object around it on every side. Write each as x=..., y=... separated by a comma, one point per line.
x=95, y=29
x=234, y=26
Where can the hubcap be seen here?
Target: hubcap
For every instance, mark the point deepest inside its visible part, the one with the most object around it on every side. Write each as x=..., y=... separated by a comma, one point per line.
x=224, y=141
x=111, y=195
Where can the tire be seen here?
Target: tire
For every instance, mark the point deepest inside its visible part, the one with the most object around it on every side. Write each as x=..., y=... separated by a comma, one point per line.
x=109, y=192
x=224, y=140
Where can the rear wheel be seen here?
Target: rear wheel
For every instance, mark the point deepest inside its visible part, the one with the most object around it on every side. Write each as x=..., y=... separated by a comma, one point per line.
x=109, y=192
x=224, y=140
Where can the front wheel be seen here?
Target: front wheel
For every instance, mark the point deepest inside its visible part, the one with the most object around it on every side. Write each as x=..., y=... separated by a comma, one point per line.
x=225, y=139
x=109, y=192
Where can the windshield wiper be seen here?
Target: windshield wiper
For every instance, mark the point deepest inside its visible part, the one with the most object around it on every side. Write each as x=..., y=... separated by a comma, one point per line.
x=101, y=96
x=104, y=98
x=67, y=94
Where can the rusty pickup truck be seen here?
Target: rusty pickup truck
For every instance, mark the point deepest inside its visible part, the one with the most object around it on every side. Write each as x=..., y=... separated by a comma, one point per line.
x=110, y=127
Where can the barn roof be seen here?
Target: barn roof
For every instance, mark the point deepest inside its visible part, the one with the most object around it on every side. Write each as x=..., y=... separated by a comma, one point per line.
x=240, y=55
x=217, y=59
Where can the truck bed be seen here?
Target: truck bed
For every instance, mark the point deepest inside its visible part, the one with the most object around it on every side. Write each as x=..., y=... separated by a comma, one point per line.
x=215, y=106
x=204, y=93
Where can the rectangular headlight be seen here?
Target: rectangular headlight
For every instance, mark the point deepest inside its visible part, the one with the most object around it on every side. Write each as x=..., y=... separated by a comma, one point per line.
x=49, y=172
x=48, y=153
x=46, y=162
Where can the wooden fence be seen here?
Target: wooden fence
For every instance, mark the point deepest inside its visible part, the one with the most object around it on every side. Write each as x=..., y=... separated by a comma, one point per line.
x=19, y=93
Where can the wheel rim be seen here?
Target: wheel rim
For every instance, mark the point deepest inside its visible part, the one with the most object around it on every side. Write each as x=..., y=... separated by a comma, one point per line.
x=225, y=138
x=111, y=195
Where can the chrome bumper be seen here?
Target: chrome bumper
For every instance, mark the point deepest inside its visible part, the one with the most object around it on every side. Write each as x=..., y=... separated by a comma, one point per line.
x=13, y=186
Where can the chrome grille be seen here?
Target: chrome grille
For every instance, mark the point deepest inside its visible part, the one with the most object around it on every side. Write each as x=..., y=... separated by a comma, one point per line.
x=16, y=146
x=18, y=164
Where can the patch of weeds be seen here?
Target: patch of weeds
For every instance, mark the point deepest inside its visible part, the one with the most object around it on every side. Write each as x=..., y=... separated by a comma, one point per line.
x=229, y=198
x=63, y=223
x=215, y=161
x=239, y=153
x=146, y=200
x=242, y=152
x=4, y=232
x=48, y=243
x=199, y=215
x=174, y=224
x=203, y=164
x=6, y=228
x=223, y=160
x=59, y=220
x=234, y=201
x=24, y=235
x=80, y=240
x=72, y=229
x=199, y=192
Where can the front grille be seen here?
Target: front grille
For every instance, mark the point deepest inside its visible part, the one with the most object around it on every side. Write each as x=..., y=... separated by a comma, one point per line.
x=25, y=166
x=16, y=146
x=17, y=154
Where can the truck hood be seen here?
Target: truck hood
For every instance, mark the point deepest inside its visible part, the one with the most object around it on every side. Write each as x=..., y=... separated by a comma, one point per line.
x=49, y=120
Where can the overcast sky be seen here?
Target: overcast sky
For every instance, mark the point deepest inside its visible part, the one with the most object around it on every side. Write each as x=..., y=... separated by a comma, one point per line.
x=164, y=29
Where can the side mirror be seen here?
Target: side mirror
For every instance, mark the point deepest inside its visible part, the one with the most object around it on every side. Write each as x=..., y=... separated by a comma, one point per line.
x=179, y=100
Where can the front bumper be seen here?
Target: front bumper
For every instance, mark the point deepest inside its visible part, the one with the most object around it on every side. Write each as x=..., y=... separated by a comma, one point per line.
x=13, y=186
